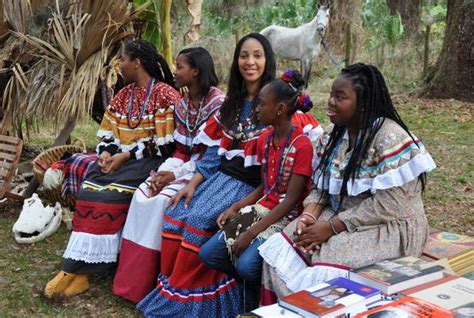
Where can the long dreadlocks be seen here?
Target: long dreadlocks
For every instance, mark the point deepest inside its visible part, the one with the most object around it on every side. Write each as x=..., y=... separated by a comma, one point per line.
x=153, y=62
x=374, y=105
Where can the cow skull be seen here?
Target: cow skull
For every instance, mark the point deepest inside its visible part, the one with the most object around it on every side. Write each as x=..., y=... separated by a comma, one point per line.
x=36, y=221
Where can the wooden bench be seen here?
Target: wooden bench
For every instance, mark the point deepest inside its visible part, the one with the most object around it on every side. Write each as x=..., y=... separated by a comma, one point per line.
x=10, y=152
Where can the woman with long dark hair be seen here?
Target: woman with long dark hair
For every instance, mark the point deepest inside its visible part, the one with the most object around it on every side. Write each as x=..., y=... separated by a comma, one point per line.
x=139, y=262
x=135, y=134
x=366, y=204
x=228, y=172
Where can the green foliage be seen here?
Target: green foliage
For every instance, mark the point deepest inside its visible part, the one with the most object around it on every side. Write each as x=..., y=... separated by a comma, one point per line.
x=151, y=21
x=285, y=13
x=382, y=27
x=434, y=14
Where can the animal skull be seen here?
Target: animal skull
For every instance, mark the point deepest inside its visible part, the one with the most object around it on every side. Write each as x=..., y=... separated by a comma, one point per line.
x=36, y=221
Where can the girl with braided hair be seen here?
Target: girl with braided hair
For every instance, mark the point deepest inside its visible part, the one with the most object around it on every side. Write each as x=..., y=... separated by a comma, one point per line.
x=285, y=154
x=135, y=136
x=366, y=204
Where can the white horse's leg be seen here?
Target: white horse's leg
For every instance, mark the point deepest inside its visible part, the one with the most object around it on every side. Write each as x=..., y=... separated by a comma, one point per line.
x=303, y=68
x=308, y=74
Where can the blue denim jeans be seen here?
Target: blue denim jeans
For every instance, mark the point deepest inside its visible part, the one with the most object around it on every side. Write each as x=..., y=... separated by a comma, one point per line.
x=248, y=266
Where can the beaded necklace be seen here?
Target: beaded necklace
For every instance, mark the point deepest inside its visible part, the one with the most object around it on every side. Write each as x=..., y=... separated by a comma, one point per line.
x=244, y=129
x=199, y=115
x=280, y=163
x=141, y=108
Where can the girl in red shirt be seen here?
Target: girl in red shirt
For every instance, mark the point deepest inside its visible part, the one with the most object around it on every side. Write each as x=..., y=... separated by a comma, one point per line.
x=285, y=154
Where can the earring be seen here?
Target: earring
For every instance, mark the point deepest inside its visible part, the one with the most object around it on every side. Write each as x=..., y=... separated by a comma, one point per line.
x=278, y=113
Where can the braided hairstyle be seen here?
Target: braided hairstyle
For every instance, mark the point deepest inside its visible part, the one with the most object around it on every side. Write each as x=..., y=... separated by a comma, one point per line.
x=236, y=89
x=373, y=106
x=288, y=88
x=153, y=62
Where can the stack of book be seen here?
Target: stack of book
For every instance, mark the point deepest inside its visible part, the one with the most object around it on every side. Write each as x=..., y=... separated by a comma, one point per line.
x=418, y=289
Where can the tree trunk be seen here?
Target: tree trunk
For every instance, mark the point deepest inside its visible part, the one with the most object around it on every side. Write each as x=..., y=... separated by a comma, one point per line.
x=342, y=13
x=410, y=12
x=166, y=31
x=453, y=76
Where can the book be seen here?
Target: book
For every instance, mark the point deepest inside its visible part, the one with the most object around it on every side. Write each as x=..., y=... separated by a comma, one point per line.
x=421, y=287
x=407, y=307
x=437, y=249
x=452, y=294
x=330, y=299
x=394, y=275
x=271, y=311
x=462, y=263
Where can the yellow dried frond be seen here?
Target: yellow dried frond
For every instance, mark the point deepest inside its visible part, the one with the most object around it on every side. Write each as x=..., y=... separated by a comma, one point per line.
x=78, y=99
x=17, y=13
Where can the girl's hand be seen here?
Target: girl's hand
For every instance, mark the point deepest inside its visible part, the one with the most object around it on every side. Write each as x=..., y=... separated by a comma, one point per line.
x=303, y=223
x=186, y=193
x=165, y=177
x=242, y=242
x=116, y=162
x=153, y=183
x=314, y=235
x=227, y=215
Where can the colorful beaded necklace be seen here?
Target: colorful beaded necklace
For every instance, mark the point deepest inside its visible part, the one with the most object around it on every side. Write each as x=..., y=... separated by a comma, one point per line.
x=280, y=163
x=191, y=128
x=142, y=107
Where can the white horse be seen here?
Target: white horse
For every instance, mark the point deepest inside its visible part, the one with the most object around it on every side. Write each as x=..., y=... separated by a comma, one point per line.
x=302, y=43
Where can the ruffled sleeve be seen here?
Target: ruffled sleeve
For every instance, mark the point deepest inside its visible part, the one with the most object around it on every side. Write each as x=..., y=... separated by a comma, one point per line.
x=210, y=133
x=394, y=159
x=310, y=125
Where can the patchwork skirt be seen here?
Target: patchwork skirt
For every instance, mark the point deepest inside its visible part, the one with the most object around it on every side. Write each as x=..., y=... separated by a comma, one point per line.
x=186, y=287
x=101, y=210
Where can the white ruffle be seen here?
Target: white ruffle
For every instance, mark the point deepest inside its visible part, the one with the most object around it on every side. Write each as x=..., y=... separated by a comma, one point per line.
x=278, y=253
x=292, y=269
x=397, y=177
x=313, y=132
x=182, y=139
x=314, y=275
x=230, y=154
x=105, y=134
x=93, y=248
x=170, y=164
x=205, y=139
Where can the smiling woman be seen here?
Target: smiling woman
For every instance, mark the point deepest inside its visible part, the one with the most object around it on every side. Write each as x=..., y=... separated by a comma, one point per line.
x=366, y=204
x=227, y=172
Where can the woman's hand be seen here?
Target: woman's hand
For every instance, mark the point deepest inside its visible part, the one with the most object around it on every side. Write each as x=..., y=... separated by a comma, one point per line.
x=104, y=160
x=116, y=162
x=242, y=242
x=227, y=215
x=314, y=235
x=185, y=193
x=159, y=180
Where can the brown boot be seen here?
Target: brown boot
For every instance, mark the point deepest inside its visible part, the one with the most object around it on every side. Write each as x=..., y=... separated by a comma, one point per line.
x=58, y=284
x=79, y=284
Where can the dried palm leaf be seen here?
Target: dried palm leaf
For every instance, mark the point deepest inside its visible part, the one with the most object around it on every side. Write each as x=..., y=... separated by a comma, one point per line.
x=17, y=13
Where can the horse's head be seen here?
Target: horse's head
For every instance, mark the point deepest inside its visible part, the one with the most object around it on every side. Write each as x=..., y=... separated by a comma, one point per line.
x=322, y=19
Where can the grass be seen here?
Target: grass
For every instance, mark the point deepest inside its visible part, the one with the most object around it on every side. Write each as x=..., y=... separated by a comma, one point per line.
x=445, y=127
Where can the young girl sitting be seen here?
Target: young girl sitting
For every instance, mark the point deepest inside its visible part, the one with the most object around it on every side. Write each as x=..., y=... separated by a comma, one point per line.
x=366, y=205
x=285, y=154
x=139, y=262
